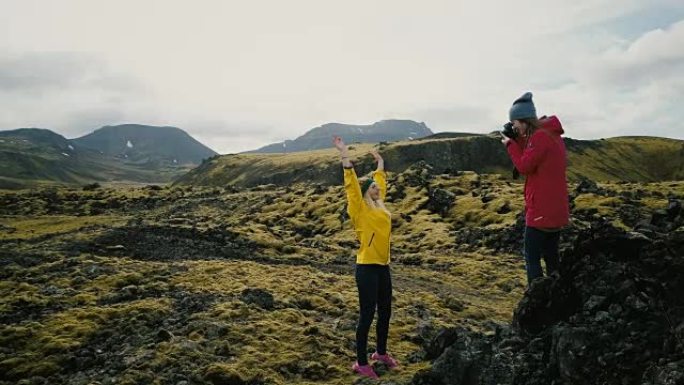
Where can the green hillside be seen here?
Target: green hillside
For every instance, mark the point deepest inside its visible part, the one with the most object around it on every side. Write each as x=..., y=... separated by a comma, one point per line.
x=636, y=159
x=629, y=158
x=33, y=157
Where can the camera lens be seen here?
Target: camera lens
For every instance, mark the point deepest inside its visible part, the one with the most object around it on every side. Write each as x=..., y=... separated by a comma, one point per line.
x=509, y=131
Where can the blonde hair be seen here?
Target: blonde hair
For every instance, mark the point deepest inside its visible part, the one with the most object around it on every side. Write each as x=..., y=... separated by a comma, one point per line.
x=374, y=204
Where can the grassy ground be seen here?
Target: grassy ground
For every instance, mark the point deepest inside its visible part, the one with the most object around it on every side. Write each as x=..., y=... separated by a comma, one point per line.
x=161, y=285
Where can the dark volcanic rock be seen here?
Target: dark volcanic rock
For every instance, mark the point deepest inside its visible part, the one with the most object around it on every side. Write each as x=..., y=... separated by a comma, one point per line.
x=614, y=314
x=588, y=186
x=169, y=243
x=419, y=174
x=674, y=208
x=504, y=209
x=444, y=338
x=440, y=201
x=259, y=297
x=508, y=240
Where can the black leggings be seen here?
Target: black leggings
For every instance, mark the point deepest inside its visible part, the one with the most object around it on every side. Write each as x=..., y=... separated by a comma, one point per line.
x=375, y=289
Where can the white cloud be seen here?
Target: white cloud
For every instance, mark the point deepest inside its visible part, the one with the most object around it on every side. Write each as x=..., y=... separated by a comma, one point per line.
x=238, y=75
x=66, y=91
x=655, y=57
x=634, y=89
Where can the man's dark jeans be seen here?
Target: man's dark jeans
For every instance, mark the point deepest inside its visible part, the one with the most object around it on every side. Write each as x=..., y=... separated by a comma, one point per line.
x=540, y=244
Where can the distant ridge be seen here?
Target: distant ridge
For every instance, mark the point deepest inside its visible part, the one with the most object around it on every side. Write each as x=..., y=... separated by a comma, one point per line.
x=41, y=136
x=321, y=137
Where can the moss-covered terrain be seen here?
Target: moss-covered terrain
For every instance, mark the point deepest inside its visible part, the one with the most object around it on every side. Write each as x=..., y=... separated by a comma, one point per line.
x=227, y=285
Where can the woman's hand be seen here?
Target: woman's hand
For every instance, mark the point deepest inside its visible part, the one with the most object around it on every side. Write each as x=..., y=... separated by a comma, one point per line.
x=339, y=143
x=505, y=140
x=378, y=158
x=344, y=152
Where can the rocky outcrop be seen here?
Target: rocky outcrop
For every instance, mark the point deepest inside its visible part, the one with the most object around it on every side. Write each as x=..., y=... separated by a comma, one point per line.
x=613, y=315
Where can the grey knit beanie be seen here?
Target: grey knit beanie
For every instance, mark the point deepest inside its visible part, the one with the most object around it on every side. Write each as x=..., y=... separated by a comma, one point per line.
x=523, y=107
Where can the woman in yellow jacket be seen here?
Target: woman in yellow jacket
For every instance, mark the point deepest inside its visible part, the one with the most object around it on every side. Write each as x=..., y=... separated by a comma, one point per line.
x=372, y=224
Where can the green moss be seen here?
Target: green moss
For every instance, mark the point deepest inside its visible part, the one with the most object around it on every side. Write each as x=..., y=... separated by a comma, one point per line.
x=220, y=373
x=40, y=345
x=17, y=295
x=603, y=205
x=139, y=377
x=27, y=228
x=28, y=366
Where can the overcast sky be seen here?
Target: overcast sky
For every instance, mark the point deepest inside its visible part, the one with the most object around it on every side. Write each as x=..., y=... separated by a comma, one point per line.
x=237, y=75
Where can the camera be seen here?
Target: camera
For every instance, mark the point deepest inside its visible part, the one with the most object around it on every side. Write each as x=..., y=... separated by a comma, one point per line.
x=509, y=131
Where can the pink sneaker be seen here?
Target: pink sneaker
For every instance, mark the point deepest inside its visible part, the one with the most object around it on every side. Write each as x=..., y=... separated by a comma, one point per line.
x=386, y=358
x=365, y=370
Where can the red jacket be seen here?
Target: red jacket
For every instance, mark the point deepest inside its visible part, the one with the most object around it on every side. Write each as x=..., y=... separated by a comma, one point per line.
x=543, y=161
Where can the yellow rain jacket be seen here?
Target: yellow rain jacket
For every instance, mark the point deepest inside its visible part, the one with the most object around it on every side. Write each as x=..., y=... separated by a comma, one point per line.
x=372, y=226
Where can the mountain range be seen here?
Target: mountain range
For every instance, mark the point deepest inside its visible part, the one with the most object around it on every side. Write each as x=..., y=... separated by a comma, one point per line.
x=126, y=153
x=320, y=137
x=149, y=154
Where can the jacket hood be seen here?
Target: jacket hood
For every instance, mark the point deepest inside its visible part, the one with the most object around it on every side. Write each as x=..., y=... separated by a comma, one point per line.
x=552, y=124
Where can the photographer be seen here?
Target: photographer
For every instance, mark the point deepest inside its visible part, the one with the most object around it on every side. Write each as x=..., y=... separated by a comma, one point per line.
x=538, y=152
